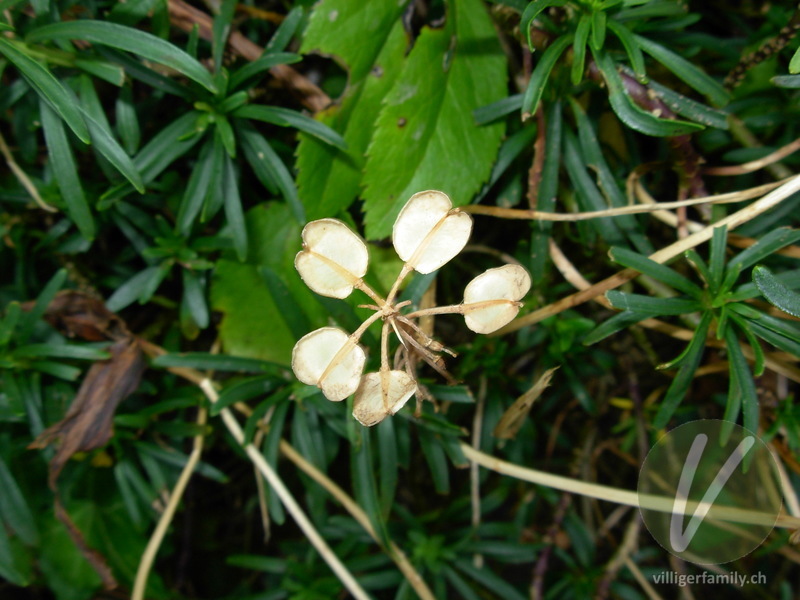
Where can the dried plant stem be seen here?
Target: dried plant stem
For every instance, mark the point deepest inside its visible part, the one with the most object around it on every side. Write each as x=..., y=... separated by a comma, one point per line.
x=23, y=177
x=286, y=497
x=619, y=496
x=756, y=165
x=394, y=552
x=649, y=206
x=149, y=555
x=772, y=199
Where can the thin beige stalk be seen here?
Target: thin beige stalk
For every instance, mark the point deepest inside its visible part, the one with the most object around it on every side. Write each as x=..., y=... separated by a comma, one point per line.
x=286, y=498
x=23, y=177
x=619, y=496
x=772, y=199
x=350, y=505
x=149, y=555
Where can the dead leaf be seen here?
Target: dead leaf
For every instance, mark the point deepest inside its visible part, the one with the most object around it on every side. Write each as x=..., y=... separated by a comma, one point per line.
x=509, y=424
x=88, y=422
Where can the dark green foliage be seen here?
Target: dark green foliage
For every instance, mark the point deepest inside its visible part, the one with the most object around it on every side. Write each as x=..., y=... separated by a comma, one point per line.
x=167, y=167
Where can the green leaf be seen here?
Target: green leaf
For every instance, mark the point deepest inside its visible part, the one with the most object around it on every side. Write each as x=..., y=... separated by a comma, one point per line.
x=579, y=48
x=679, y=386
x=66, y=171
x=329, y=180
x=588, y=195
x=388, y=464
x=285, y=303
x=599, y=19
x=14, y=509
x=540, y=75
x=758, y=351
x=263, y=63
x=220, y=31
x=497, y=110
x=716, y=261
x=425, y=137
x=48, y=87
x=632, y=48
x=794, y=64
x=766, y=245
x=437, y=460
x=127, y=121
x=131, y=290
x=233, y=209
x=283, y=35
x=533, y=10
x=197, y=188
x=109, y=147
x=596, y=162
x=252, y=323
x=246, y=389
x=194, y=298
x=291, y=118
x=113, y=74
x=216, y=362
x=616, y=323
x=787, y=81
x=742, y=389
x=269, y=168
x=31, y=319
x=61, y=351
x=686, y=71
x=657, y=271
x=689, y=108
x=775, y=292
x=633, y=116
x=139, y=42
x=652, y=306
x=9, y=322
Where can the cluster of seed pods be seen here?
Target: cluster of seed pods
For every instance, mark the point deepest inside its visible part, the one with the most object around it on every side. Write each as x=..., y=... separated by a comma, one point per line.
x=427, y=234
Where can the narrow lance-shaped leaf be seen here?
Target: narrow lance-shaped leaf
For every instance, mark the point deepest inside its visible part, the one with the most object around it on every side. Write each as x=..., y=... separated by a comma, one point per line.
x=333, y=258
x=328, y=359
x=775, y=292
x=428, y=232
x=127, y=38
x=491, y=300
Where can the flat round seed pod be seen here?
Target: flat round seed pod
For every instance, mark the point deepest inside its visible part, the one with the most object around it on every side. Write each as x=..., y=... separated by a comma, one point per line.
x=333, y=258
x=428, y=232
x=495, y=293
x=318, y=359
x=382, y=394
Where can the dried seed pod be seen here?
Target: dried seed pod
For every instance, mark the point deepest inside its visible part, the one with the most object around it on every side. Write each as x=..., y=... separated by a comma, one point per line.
x=327, y=359
x=428, y=232
x=333, y=258
x=494, y=296
x=382, y=394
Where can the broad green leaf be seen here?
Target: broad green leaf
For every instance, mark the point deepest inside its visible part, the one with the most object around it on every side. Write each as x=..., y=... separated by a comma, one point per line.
x=329, y=180
x=253, y=324
x=425, y=137
x=48, y=87
x=794, y=64
x=688, y=72
x=66, y=171
x=139, y=42
x=291, y=118
x=633, y=116
x=777, y=293
x=540, y=75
